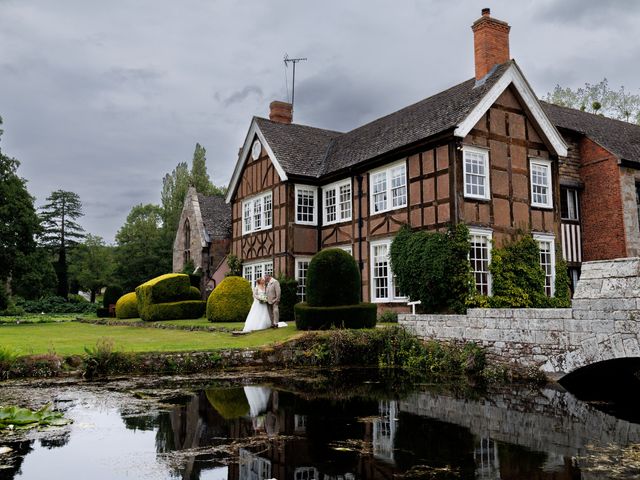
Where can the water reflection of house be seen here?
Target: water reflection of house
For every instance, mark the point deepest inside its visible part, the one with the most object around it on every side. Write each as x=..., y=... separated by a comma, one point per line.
x=487, y=460
x=309, y=428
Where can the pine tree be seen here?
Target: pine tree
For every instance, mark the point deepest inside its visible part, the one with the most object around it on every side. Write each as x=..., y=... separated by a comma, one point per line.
x=60, y=232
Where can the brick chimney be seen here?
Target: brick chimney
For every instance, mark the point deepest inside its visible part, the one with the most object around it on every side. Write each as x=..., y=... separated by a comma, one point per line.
x=281, y=112
x=490, y=42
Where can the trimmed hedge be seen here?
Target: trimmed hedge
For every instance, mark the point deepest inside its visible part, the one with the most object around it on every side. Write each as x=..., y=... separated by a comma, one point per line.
x=192, y=294
x=127, y=306
x=174, y=310
x=333, y=279
x=309, y=317
x=165, y=288
x=230, y=301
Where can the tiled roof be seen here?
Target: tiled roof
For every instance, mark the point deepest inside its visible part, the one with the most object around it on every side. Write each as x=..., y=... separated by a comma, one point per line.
x=216, y=216
x=620, y=138
x=314, y=152
x=299, y=149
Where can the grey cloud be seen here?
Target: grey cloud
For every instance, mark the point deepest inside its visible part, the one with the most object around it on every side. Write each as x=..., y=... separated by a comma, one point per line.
x=596, y=13
x=241, y=95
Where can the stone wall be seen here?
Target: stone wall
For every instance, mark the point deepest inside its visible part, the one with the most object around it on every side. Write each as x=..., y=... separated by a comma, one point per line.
x=603, y=323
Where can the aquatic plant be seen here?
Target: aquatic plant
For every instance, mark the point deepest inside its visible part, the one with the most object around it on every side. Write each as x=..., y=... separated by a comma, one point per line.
x=16, y=418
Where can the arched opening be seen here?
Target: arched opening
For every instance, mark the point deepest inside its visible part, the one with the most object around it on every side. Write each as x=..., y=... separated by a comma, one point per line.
x=187, y=241
x=612, y=386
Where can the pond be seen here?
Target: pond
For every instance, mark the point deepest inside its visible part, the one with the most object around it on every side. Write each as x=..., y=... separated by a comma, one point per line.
x=338, y=425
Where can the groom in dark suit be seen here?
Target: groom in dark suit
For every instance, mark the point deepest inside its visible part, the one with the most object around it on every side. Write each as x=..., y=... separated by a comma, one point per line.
x=273, y=299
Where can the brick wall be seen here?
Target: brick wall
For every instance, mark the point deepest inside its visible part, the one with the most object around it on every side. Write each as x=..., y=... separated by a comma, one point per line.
x=601, y=204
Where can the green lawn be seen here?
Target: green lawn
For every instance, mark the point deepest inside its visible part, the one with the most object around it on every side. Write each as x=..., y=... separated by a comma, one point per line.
x=46, y=318
x=198, y=322
x=70, y=338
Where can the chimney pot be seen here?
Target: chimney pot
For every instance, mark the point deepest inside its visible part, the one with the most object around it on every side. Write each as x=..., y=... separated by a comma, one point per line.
x=490, y=43
x=281, y=112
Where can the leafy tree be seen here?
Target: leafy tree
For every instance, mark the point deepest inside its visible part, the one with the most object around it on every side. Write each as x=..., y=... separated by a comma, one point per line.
x=60, y=231
x=92, y=264
x=174, y=190
x=600, y=99
x=18, y=220
x=34, y=276
x=144, y=250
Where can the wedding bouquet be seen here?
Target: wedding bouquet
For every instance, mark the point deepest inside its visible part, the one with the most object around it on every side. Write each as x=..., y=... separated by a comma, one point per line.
x=262, y=297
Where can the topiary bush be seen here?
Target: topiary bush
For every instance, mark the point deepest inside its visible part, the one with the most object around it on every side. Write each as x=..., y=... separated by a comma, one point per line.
x=181, y=310
x=165, y=288
x=228, y=402
x=333, y=293
x=111, y=295
x=230, y=301
x=288, y=298
x=127, y=306
x=171, y=288
x=433, y=267
x=362, y=315
x=322, y=288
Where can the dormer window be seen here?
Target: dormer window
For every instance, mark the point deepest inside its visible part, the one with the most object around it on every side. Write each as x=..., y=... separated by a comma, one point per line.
x=475, y=163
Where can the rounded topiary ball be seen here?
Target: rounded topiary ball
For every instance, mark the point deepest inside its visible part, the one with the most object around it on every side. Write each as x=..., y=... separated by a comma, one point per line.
x=230, y=301
x=333, y=279
x=127, y=306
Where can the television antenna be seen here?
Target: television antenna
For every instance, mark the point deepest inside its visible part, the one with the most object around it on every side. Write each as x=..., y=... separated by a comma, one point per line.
x=288, y=60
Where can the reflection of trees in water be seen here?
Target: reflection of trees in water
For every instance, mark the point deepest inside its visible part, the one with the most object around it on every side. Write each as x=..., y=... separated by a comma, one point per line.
x=14, y=461
x=145, y=423
x=57, y=441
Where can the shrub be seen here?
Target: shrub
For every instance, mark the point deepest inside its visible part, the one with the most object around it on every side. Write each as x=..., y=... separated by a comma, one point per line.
x=288, y=298
x=4, y=296
x=111, y=295
x=230, y=301
x=362, y=315
x=325, y=268
x=127, y=306
x=102, y=312
x=388, y=316
x=235, y=266
x=54, y=304
x=174, y=310
x=165, y=288
x=433, y=267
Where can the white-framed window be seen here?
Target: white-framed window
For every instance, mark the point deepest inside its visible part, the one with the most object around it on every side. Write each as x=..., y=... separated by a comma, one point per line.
x=253, y=467
x=388, y=187
x=480, y=258
x=257, y=213
x=302, y=267
x=541, y=191
x=383, y=281
x=475, y=165
x=254, y=270
x=337, y=202
x=547, y=246
x=306, y=204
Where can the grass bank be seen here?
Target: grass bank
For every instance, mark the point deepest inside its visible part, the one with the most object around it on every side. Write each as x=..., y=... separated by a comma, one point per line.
x=71, y=338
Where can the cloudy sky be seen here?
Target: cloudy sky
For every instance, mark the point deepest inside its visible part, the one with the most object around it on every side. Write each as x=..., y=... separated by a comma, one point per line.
x=104, y=98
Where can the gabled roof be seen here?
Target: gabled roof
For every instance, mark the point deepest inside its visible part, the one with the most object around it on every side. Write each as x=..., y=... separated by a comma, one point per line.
x=216, y=216
x=620, y=138
x=300, y=149
x=304, y=151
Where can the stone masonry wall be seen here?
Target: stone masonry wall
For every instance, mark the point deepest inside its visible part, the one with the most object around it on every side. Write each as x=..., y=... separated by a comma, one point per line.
x=603, y=323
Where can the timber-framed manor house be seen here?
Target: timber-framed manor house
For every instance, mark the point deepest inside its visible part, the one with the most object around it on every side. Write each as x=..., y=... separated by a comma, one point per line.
x=486, y=152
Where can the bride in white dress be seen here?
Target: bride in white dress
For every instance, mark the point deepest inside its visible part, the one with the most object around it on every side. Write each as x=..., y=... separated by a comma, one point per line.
x=258, y=318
